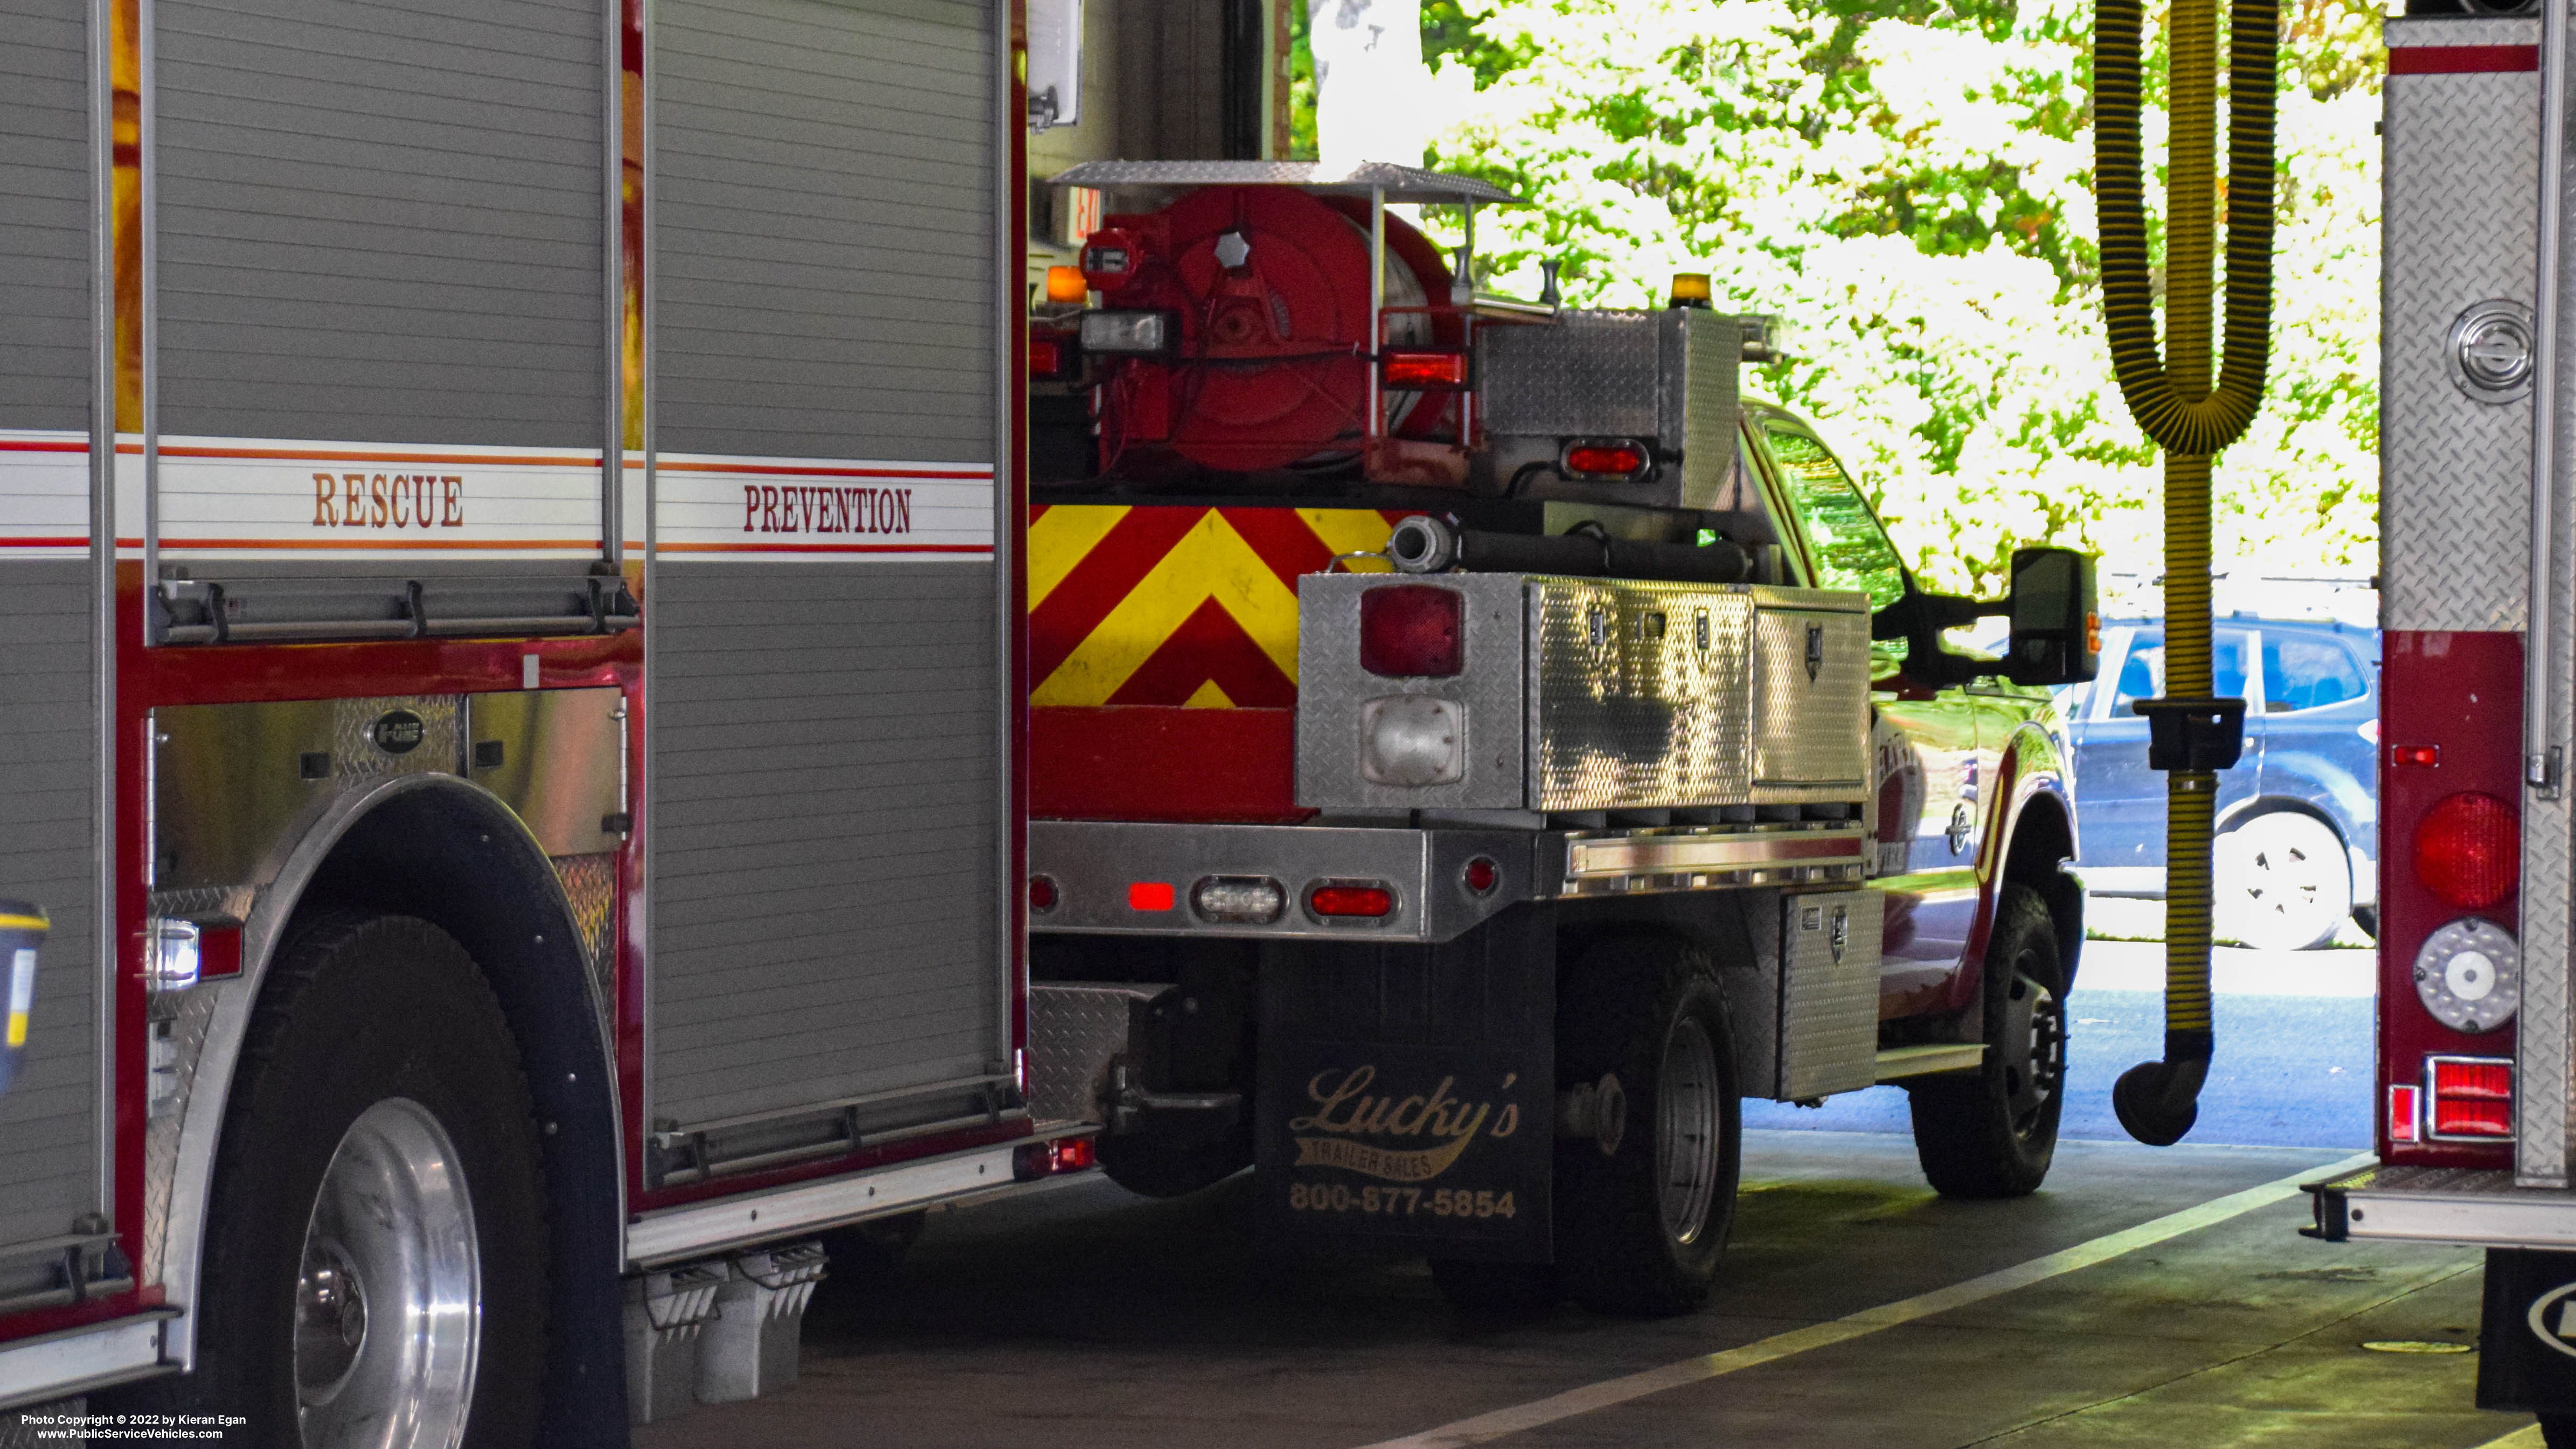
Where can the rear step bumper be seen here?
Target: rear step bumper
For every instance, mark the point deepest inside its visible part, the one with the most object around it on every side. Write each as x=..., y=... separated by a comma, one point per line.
x=1141, y=878
x=2442, y=1205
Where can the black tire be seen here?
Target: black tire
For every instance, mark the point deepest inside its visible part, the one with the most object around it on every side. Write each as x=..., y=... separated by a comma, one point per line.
x=1628, y=1239
x=2558, y=1431
x=2367, y=918
x=358, y=1011
x=1152, y=1167
x=1992, y=1133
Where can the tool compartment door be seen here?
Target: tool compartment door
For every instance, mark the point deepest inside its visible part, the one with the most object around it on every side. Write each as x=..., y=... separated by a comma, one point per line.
x=827, y=711
x=52, y=1126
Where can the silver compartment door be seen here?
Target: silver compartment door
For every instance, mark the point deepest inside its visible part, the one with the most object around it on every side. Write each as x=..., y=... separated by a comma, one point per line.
x=825, y=711
x=53, y=1142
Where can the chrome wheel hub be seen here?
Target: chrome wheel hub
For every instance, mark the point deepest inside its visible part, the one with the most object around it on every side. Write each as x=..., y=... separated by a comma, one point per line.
x=1686, y=1129
x=2033, y=1046
x=387, y=1301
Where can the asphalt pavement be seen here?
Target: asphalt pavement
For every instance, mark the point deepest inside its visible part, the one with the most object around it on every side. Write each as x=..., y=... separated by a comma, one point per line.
x=2293, y=1066
x=2144, y=1297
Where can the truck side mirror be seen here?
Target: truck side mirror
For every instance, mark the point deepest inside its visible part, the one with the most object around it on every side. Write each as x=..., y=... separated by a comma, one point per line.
x=2056, y=625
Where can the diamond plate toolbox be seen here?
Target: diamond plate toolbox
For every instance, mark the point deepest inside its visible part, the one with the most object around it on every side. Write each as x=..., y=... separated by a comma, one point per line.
x=1668, y=378
x=1829, y=944
x=1584, y=695
x=1075, y=1027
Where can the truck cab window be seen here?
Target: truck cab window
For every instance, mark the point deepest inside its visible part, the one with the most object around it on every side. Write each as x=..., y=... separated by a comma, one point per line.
x=1844, y=540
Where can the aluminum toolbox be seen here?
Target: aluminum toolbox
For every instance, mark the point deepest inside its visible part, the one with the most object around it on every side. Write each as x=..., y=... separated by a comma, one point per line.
x=1666, y=379
x=1591, y=695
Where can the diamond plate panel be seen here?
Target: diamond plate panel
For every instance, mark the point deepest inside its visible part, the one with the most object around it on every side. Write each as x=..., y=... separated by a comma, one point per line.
x=1828, y=993
x=1639, y=695
x=1583, y=372
x=1810, y=667
x=2458, y=227
x=16, y=1433
x=1074, y=1028
x=195, y=1012
x=590, y=887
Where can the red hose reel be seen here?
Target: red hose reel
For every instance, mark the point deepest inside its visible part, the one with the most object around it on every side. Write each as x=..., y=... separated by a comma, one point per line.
x=1261, y=361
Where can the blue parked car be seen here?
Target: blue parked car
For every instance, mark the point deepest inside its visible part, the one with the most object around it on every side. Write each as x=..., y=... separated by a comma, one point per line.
x=2299, y=814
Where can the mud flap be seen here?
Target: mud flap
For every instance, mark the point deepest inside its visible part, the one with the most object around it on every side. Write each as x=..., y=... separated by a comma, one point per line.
x=1407, y=1092
x=2527, y=1332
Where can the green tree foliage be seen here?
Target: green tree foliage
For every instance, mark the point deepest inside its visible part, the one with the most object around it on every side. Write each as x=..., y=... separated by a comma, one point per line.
x=1909, y=183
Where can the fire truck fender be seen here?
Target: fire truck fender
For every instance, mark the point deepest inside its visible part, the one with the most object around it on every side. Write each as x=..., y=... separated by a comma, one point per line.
x=446, y=850
x=2036, y=833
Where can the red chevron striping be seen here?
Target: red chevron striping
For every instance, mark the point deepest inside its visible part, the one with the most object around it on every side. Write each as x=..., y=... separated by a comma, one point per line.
x=1038, y=511
x=1112, y=568
x=1281, y=539
x=1208, y=645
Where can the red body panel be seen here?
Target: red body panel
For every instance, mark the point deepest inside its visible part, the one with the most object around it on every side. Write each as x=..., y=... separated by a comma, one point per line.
x=2461, y=693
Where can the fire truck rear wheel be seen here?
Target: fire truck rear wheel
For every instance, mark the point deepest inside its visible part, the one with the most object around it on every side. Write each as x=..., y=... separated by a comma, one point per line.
x=1641, y=1229
x=376, y=1239
x=1992, y=1133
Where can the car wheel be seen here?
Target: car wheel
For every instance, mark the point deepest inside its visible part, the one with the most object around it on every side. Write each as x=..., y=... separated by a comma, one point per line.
x=376, y=1255
x=1640, y=1231
x=1992, y=1132
x=2283, y=882
x=2367, y=917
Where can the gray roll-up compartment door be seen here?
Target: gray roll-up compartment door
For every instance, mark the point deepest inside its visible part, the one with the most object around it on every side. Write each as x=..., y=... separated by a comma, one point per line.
x=53, y=1130
x=381, y=223
x=826, y=697
x=51, y=1127
x=44, y=201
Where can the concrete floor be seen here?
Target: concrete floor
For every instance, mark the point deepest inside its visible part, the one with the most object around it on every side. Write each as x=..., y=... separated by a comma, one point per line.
x=1085, y=1317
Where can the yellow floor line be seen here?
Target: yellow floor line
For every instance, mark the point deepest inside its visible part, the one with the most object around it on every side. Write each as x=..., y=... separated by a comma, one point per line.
x=2526, y=1437
x=1485, y=1428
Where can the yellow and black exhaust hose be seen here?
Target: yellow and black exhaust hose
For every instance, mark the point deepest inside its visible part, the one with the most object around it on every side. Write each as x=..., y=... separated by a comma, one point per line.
x=2176, y=406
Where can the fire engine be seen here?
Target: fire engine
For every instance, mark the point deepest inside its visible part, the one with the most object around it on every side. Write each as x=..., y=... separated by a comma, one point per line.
x=1474, y=744
x=509, y=551
x=2474, y=1081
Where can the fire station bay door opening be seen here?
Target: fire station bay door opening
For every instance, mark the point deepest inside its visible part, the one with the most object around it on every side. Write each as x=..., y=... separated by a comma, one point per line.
x=826, y=678
x=54, y=1187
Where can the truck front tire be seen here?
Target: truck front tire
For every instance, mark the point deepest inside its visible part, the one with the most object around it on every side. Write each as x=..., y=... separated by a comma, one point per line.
x=376, y=1236
x=1992, y=1132
x=1640, y=1230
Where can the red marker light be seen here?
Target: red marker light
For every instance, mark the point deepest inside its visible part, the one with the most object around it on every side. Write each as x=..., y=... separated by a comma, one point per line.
x=1042, y=893
x=1482, y=875
x=1424, y=369
x=2414, y=754
x=1045, y=1159
x=2468, y=850
x=2404, y=1112
x=1366, y=902
x=1602, y=460
x=2472, y=1097
x=1415, y=630
x=1149, y=895
x=1047, y=356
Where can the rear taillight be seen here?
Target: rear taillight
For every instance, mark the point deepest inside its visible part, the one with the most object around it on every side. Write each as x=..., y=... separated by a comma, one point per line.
x=2468, y=850
x=2405, y=1110
x=1042, y=893
x=1351, y=901
x=1424, y=369
x=1048, y=355
x=1412, y=630
x=1046, y=1159
x=1604, y=460
x=2472, y=1098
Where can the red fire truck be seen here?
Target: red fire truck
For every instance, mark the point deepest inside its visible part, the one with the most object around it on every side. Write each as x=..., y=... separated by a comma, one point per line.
x=1474, y=746
x=2475, y=1085
x=509, y=553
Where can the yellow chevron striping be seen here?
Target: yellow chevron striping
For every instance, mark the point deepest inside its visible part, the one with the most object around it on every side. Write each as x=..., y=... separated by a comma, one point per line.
x=1210, y=561
x=1060, y=539
x=1352, y=530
